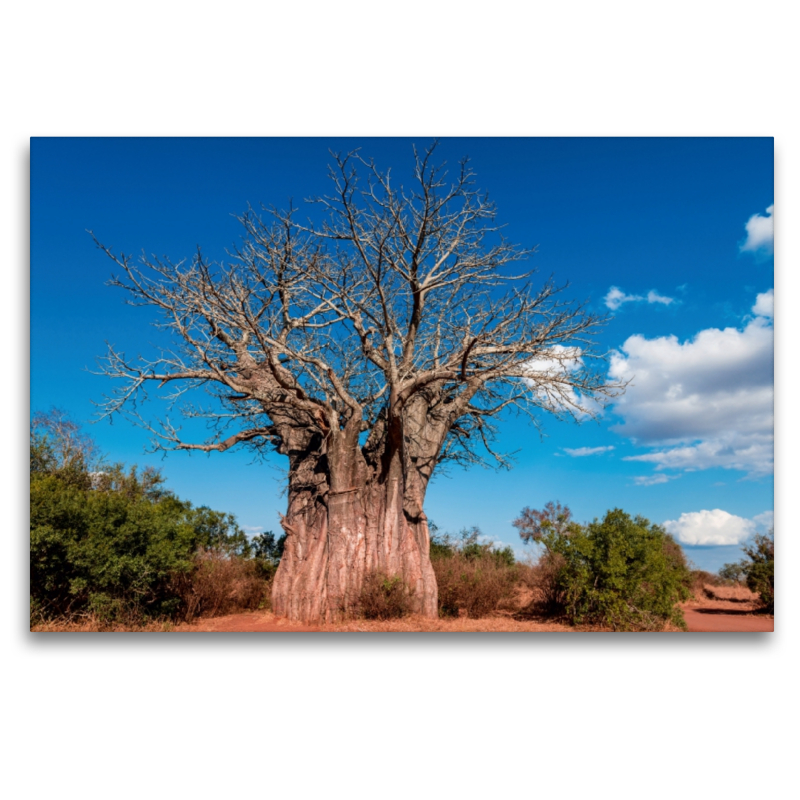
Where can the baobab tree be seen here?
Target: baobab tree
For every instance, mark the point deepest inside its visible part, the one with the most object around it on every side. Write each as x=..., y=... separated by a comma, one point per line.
x=368, y=346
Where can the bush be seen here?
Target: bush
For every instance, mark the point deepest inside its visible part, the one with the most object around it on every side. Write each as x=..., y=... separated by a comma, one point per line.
x=384, y=597
x=221, y=583
x=701, y=579
x=474, y=579
x=114, y=543
x=545, y=579
x=733, y=573
x=760, y=570
x=623, y=572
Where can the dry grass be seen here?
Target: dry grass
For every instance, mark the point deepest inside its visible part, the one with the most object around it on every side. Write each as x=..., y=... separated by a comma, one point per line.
x=384, y=597
x=221, y=584
x=266, y=621
x=91, y=623
x=732, y=594
x=474, y=587
x=415, y=624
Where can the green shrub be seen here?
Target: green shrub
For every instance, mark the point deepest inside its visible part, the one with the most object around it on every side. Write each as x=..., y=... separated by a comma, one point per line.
x=760, y=570
x=622, y=572
x=113, y=542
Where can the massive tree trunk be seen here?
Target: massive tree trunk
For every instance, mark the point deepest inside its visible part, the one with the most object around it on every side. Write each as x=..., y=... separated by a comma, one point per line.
x=352, y=511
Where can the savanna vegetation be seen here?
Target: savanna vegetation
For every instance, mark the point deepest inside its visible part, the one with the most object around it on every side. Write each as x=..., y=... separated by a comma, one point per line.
x=757, y=570
x=113, y=544
x=620, y=572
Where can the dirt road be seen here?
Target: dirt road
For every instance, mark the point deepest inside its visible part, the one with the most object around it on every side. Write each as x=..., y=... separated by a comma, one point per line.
x=722, y=617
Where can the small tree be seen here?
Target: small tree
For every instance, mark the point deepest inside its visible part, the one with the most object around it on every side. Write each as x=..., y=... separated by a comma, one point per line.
x=368, y=347
x=622, y=572
x=736, y=572
x=59, y=447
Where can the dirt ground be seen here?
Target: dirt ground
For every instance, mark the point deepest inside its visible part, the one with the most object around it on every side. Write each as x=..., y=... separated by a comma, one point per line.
x=712, y=609
x=713, y=615
x=267, y=622
x=703, y=614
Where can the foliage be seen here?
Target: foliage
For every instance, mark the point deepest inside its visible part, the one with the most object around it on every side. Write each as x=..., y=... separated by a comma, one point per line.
x=736, y=572
x=760, y=570
x=473, y=578
x=111, y=541
x=622, y=572
x=757, y=570
x=267, y=550
x=384, y=597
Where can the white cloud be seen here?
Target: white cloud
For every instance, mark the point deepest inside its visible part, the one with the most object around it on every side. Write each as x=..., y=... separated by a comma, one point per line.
x=616, y=297
x=653, y=480
x=252, y=529
x=706, y=402
x=654, y=297
x=765, y=304
x=760, y=232
x=765, y=520
x=587, y=451
x=715, y=527
x=549, y=379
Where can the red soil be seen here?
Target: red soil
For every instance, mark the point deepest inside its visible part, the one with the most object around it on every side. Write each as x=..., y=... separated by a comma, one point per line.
x=702, y=614
x=258, y=622
x=725, y=617
x=266, y=622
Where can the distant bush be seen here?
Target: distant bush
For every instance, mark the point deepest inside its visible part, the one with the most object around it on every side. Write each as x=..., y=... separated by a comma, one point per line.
x=384, y=597
x=621, y=572
x=701, y=578
x=733, y=573
x=473, y=578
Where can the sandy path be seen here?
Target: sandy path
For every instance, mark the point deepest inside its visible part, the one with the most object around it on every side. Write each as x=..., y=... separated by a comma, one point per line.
x=722, y=617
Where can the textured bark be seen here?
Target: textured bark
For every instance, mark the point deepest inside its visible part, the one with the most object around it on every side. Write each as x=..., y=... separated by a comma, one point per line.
x=352, y=511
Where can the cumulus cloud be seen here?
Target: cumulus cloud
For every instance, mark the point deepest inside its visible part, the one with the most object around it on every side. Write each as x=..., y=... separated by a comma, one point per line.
x=760, y=233
x=587, y=451
x=765, y=304
x=653, y=480
x=616, y=297
x=702, y=403
x=765, y=520
x=715, y=527
x=548, y=377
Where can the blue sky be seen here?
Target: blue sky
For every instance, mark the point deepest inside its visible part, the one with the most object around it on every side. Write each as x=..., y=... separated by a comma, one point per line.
x=671, y=236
